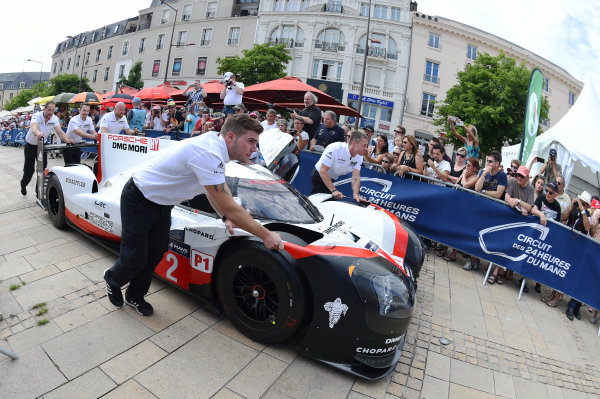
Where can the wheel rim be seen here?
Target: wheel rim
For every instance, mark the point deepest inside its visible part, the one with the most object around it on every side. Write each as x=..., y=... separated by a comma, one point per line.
x=53, y=201
x=255, y=294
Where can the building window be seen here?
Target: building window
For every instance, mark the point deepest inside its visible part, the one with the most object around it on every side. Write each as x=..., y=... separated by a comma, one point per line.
x=87, y=58
x=160, y=42
x=335, y=6
x=106, y=72
x=155, y=68
x=571, y=98
x=432, y=72
x=165, y=17
x=21, y=85
x=11, y=95
x=54, y=68
x=395, y=14
x=364, y=9
x=125, y=50
x=292, y=5
x=68, y=63
x=206, y=37
x=142, y=45
x=385, y=114
x=187, y=13
x=177, y=62
x=305, y=4
x=201, y=66
x=98, y=52
x=85, y=74
x=234, y=36
x=471, y=52
x=327, y=70
x=331, y=40
x=109, y=55
x=392, y=52
x=279, y=5
x=380, y=11
x=181, y=38
x=546, y=85
x=427, y=105
x=115, y=30
x=434, y=40
x=121, y=71
x=95, y=76
x=61, y=65
x=211, y=10
x=369, y=110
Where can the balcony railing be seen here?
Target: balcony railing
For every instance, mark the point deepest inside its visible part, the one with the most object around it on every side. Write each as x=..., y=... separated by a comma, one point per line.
x=288, y=42
x=378, y=52
x=244, y=13
x=432, y=79
x=205, y=42
x=211, y=14
x=233, y=41
x=329, y=46
x=338, y=8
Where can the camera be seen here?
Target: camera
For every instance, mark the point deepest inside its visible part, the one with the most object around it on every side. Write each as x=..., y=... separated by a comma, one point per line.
x=553, y=157
x=576, y=204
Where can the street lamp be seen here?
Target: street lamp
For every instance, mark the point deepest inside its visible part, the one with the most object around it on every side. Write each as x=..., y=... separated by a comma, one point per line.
x=40, y=82
x=171, y=41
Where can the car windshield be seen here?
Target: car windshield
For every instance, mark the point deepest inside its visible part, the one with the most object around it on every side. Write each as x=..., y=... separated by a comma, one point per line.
x=268, y=199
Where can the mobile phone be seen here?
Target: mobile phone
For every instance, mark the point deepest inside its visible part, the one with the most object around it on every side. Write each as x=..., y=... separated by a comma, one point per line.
x=540, y=160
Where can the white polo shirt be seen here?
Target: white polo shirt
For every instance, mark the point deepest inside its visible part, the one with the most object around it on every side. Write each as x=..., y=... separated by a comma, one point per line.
x=77, y=123
x=113, y=124
x=337, y=157
x=45, y=127
x=181, y=171
x=231, y=97
x=265, y=125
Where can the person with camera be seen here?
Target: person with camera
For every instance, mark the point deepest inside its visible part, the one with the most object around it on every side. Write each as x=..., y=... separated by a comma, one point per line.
x=550, y=169
x=300, y=136
x=172, y=118
x=311, y=114
x=195, y=97
x=471, y=142
x=232, y=93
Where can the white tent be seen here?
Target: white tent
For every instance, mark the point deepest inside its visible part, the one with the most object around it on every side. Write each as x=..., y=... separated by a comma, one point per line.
x=575, y=137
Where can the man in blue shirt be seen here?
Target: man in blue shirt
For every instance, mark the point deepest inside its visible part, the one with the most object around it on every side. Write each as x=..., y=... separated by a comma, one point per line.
x=329, y=132
x=137, y=116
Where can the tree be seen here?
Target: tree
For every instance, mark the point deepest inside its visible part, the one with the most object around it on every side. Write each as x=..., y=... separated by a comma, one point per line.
x=491, y=94
x=261, y=63
x=20, y=100
x=134, y=79
x=68, y=83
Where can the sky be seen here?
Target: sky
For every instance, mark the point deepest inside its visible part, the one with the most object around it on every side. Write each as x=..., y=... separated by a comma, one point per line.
x=561, y=31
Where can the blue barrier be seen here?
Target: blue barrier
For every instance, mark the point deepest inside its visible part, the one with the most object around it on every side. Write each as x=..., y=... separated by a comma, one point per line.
x=173, y=135
x=554, y=255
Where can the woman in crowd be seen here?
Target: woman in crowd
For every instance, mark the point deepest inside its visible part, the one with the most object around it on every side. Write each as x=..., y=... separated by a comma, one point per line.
x=411, y=159
x=538, y=185
x=282, y=125
x=459, y=166
x=376, y=152
x=471, y=142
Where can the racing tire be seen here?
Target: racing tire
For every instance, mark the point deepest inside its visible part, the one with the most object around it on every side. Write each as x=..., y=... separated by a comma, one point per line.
x=55, y=202
x=261, y=293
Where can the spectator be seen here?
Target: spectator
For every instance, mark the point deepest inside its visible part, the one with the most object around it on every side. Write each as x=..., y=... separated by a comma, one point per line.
x=439, y=168
x=282, y=125
x=198, y=127
x=95, y=115
x=253, y=115
x=218, y=119
x=172, y=118
x=471, y=142
x=240, y=108
x=459, y=166
x=563, y=199
x=208, y=127
x=232, y=93
x=410, y=159
x=386, y=163
x=300, y=136
x=514, y=165
x=538, y=185
x=103, y=111
x=550, y=169
x=195, y=97
x=157, y=123
x=396, y=154
x=340, y=158
x=347, y=129
x=329, y=132
x=148, y=119
x=190, y=123
x=545, y=206
x=311, y=114
x=136, y=116
x=583, y=225
x=271, y=121
x=433, y=141
x=399, y=133
x=376, y=152
x=368, y=129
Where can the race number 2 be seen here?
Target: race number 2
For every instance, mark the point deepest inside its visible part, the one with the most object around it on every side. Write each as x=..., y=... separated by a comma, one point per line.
x=201, y=261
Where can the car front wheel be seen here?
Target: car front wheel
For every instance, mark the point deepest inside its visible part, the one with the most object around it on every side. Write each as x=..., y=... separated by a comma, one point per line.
x=55, y=202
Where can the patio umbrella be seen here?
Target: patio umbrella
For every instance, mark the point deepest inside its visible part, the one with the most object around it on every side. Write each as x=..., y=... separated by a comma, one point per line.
x=288, y=90
x=34, y=100
x=63, y=98
x=132, y=91
x=86, y=97
x=111, y=101
x=160, y=92
x=213, y=89
x=44, y=100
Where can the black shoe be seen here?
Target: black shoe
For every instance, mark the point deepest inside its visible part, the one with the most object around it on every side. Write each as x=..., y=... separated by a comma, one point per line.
x=142, y=307
x=577, y=315
x=569, y=314
x=475, y=265
x=23, y=190
x=525, y=289
x=538, y=288
x=113, y=292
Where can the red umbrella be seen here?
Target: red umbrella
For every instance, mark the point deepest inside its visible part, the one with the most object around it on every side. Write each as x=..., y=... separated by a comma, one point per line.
x=160, y=92
x=132, y=91
x=111, y=101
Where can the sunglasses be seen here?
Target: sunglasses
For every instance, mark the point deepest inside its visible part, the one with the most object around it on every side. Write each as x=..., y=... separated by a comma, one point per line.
x=514, y=167
x=385, y=161
x=550, y=192
x=520, y=176
x=398, y=131
x=458, y=154
x=489, y=160
x=397, y=154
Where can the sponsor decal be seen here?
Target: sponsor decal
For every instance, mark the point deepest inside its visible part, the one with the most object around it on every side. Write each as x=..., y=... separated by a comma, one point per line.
x=376, y=351
x=336, y=310
x=179, y=248
x=154, y=143
x=101, y=222
x=100, y=204
x=202, y=262
x=527, y=247
x=371, y=246
x=130, y=147
x=334, y=227
x=75, y=182
x=201, y=233
x=393, y=340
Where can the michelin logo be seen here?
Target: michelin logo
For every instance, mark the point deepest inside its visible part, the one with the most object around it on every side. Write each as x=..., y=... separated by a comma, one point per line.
x=336, y=310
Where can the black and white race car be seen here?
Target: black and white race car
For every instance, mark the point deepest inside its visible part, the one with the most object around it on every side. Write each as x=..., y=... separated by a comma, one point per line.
x=344, y=286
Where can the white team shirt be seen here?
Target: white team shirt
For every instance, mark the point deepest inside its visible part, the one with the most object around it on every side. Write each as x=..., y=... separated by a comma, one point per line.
x=337, y=157
x=302, y=135
x=45, y=127
x=181, y=171
x=441, y=166
x=76, y=122
x=231, y=97
x=113, y=125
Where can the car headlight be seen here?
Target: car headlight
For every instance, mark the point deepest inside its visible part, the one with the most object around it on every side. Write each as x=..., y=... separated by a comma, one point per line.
x=393, y=295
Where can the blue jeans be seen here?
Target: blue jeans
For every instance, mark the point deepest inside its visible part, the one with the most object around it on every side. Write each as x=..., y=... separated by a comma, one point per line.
x=574, y=306
x=228, y=109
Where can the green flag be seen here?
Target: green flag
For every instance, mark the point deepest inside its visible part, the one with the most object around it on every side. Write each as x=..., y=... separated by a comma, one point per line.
x=532, y=113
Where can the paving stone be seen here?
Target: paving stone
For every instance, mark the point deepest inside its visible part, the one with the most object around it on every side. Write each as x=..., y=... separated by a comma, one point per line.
x=77, y=317
x=468, y=322
x=34, y=336
x=92, y=344
x=178, y=333
x=283, y=352
x=434, y=388
x=57, y=254
x=504, y=385
x=32, y=367
x=461, y=392
x=529, y=389
x=129, y=363
x=74, y=262
x=226, y=393
x=39, y=273
x=212, y=355
x=438, y=366
x=229, y=329
x=92, y=384
x=16, y=244
x=471, y=376
x=130, y=390
x=254, y=380
x=372, y=389
x=94, y=270
x=14, y=268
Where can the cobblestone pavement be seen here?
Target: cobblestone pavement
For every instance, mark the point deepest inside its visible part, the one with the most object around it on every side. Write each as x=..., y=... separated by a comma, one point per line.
x=499, y=347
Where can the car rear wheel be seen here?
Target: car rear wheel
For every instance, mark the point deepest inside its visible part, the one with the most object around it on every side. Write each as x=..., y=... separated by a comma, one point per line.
x=261, y=293
x=55, y=202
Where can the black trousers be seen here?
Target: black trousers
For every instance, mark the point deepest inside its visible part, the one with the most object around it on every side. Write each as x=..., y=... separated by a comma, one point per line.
x=29, y=165
x=72, y=155
x=317, y=183
x=144, y=240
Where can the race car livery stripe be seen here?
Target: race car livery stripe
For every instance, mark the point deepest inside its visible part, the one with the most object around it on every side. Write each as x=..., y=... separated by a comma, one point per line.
x=90, y=228
x=299, y=252
x=401, y=241
x=99, y=174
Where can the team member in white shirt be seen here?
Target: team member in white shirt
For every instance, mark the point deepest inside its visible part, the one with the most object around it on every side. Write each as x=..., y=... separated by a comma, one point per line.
x=231, y=94
x=114, y=122
x=178, y=173
x=338, y=159
x=42, y=124
x=79, y=127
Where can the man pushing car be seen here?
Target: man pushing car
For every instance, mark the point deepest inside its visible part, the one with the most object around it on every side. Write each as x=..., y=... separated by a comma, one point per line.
x=181, y=171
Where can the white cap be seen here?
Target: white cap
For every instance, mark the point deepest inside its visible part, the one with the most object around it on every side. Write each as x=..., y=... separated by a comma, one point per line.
x=228, y=75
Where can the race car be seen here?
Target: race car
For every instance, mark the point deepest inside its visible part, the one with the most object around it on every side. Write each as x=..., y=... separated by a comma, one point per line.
x=343, y=287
